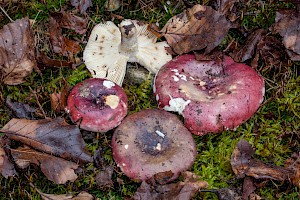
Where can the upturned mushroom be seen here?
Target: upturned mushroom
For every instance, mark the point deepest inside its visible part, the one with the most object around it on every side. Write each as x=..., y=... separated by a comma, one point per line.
x=212, y=96
x=153, y=141
x=110, y=48
x=97, y=105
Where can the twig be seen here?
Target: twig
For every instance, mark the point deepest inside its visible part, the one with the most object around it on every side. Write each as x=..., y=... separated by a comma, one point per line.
x=38, y=103
x=6, y=14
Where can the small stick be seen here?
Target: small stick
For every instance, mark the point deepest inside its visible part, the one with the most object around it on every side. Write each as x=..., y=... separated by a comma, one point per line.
x=38, y=103
x=6, y=14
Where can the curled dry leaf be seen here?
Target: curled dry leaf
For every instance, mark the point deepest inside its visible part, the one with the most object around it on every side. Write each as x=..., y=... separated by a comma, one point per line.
x=195, y=29
x=103, y=178
x=7, y=169
x=43, y=60
x=81, y=5
x=287, y=25
x=247, y=51
x=80, y=196
x=177, y=191
x=17, y=57
x=20, y=110
x=59, y=100
x=70, y=21
x=55, y=137
x=55, y=169
x=61, y=44
x=244, y=165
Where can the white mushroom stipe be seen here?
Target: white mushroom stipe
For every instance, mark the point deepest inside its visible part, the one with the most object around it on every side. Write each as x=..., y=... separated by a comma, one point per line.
x=160, y=134
x=110, y=48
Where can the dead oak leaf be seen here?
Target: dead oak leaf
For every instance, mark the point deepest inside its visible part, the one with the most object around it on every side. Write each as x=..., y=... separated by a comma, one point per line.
x=7, y=169
x=243, y=164
x=80, y=196
x=61, y=44
x=287, y=24
x=177, y=191
x=55, y=137
x=247, y=51
x=17, y=57
x=199, y=27
x=81, y=5
x=55, y=169
x=70, y=21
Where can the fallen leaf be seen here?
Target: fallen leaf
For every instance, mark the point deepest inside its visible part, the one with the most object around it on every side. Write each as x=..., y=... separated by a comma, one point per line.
x=248, y=187
x=20, y=110
x=43, y=61
x=196, y=28
x=293, y=163
x=287, y=25
x=244, y=165
x=81, y=5
x=80, y=196
x=54, y=137
x=61, y=44
x=59, y=100
x=7, y=169
x=99, y=157
x=17, y=57
x=103, y=178
x=70, y=21
x=176, y=191
x=55, y=169
x=271, y=51
x=225, y=7
x=247, y=51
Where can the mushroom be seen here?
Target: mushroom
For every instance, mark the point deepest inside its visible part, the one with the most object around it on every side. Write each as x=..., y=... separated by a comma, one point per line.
x=97, y=105
x=212, y=96
x=109, y=49
x=153, y=141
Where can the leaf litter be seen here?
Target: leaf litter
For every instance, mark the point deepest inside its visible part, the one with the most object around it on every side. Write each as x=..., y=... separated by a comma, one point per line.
x=197, y=28
x=17, y=57
x=181, y=32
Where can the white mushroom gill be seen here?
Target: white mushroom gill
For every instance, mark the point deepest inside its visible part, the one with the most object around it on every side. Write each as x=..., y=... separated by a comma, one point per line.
x=110, y=47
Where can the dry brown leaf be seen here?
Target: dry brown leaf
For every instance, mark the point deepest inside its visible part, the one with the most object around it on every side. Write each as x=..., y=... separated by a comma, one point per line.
x=271, y=51
x=55, y=137
x=247, y=51
x=248, y=187
x=70, y=21
x=294, y=164
x=55, y=169
x=20, y=110
x=200, y=27
x=80, y=196
x=176, y=191
x=81, y=5
x=59, y=100
x=244, y=165
x=103, y=178
x=7, y=169
x=61, y=44
x=17, y=57
x=43, y=61
x=287, y=25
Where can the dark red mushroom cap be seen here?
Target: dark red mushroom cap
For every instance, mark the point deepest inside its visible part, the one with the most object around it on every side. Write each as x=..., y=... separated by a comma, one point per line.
x=212, y=96
x=153, y=141
x=97, y=105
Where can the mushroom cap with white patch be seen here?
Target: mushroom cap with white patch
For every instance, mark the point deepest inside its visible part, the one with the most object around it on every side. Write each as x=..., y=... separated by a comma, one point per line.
x=109, y=49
